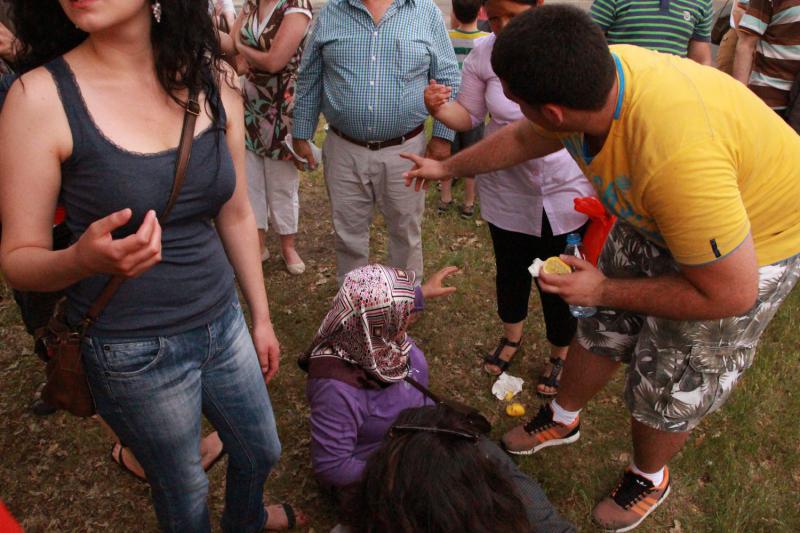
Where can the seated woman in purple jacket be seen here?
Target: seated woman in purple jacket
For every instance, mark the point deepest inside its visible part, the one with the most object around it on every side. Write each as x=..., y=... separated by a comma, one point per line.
x=356, y=366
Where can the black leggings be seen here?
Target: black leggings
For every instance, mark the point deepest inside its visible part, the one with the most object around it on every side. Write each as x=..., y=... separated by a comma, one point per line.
x=514, y=252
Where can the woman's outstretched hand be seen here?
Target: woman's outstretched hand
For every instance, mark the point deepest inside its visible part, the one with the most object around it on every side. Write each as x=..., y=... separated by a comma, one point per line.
x=434, y=287
x=99, y=253
x=436, y=95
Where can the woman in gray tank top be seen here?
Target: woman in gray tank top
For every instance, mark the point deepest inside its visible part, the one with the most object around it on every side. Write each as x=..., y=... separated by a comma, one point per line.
x=94, y=124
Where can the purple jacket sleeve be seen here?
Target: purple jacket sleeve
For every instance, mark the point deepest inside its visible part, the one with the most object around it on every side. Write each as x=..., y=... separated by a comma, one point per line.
x=336, y=415
x=419, y=300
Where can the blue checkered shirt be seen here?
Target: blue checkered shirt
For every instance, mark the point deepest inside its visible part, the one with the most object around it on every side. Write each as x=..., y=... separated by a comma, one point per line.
x=367, y=79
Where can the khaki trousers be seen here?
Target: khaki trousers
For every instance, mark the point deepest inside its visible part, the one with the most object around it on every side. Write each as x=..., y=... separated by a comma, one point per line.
x=358, y=180
x=272, y=187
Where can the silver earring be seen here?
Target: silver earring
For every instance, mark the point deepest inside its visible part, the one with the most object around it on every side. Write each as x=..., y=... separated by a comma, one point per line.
x=156, y=7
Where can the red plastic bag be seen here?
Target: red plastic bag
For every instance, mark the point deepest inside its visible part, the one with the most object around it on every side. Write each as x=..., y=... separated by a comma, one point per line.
x=601, y=222
x=7, y=522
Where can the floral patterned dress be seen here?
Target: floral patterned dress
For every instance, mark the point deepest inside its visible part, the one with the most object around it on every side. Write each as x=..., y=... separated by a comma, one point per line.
x=269, y=98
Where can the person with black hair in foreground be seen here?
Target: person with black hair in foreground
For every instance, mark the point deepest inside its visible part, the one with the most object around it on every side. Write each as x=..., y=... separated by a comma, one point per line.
x=704, y=180
x=434, y=474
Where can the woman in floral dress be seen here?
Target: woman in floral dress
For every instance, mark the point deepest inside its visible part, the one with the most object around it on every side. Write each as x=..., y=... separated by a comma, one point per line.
x=269, y=36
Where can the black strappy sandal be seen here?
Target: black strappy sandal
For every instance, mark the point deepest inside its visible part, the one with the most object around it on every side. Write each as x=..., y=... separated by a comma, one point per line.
x=291, y=518
x=494, y=358
x=551, y=379
x=120, y=460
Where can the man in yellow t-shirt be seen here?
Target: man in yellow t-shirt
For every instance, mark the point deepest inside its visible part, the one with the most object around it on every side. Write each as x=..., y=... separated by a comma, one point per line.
x=705, y=180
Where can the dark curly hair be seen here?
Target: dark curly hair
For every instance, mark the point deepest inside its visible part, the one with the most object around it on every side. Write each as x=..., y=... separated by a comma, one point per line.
x=185, y=44
x=555, y=54
x=437, y=482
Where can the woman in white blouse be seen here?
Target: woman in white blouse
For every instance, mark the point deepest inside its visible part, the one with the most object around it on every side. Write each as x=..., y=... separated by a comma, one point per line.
x=529, y=207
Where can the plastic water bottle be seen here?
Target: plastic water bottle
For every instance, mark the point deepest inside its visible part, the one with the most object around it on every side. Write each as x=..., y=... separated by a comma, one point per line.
x=574, y=247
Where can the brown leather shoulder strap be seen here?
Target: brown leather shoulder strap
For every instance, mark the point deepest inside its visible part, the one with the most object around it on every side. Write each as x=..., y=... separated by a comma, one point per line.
x=420, y=387
x=184, y=151
x=182, y=161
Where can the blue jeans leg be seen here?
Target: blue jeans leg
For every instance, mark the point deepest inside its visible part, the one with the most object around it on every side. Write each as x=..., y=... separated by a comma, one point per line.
x=149, y=391
x=236, y=401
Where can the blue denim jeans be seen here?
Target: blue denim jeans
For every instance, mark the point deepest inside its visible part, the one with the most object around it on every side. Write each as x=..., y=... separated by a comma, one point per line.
x=153, y=391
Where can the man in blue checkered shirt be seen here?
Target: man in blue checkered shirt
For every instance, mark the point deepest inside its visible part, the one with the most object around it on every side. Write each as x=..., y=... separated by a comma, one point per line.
x=365, y=67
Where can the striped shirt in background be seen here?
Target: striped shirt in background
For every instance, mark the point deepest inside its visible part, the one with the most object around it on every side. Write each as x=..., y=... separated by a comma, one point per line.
x=777, y=60
x=661, y=25
x=463, y=42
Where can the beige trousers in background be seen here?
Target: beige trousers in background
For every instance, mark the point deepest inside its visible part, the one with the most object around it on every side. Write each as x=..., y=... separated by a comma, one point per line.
x=358, y=180
x=273, y=190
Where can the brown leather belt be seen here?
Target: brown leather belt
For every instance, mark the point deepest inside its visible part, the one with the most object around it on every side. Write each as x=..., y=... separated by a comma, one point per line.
x=379, y=145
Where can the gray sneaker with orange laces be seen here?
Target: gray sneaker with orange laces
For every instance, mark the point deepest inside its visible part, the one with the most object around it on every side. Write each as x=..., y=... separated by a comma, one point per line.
x=540, y=432
x=631, y=502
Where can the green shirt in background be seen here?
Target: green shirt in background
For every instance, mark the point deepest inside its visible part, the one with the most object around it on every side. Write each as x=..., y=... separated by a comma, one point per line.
x=661, y=25
x=463, y=42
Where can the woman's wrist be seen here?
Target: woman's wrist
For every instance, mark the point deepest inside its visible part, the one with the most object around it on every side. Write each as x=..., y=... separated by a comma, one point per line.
x=262, y=321
x=78, y=268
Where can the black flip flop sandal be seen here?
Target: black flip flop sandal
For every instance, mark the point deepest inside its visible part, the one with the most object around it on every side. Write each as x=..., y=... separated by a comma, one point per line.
x=494, y=358
x=120, y=460
x=552, y=379
x=291, y=518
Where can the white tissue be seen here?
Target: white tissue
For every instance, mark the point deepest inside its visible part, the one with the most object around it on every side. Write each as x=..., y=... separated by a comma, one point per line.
x=507, y=383
x=535, y=267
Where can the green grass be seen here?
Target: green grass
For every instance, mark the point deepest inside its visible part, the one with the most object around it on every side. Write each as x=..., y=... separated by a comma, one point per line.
x=740, y=472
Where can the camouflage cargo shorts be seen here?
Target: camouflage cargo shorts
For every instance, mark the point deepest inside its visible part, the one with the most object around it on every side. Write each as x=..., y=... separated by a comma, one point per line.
x=678, y=371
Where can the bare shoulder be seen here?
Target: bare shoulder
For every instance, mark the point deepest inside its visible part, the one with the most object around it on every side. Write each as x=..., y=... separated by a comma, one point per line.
x=33, y=108
x=35, y=88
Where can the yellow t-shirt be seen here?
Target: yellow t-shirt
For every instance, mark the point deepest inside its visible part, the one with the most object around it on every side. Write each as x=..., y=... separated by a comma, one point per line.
x=694, y=161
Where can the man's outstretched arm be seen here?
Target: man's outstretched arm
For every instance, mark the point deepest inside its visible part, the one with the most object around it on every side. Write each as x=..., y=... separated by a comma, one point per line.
x=513, y=144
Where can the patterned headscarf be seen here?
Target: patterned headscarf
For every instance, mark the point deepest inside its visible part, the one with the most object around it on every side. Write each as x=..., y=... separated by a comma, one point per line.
x=367, y=323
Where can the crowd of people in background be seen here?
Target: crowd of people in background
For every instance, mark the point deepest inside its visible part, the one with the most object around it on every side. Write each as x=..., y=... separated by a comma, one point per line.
x=530, y=108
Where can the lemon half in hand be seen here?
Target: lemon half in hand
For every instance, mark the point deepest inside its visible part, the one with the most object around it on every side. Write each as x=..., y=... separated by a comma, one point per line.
x=552, y=265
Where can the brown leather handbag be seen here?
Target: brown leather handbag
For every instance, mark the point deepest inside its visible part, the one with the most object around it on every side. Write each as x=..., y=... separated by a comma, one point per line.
x=67, y=387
